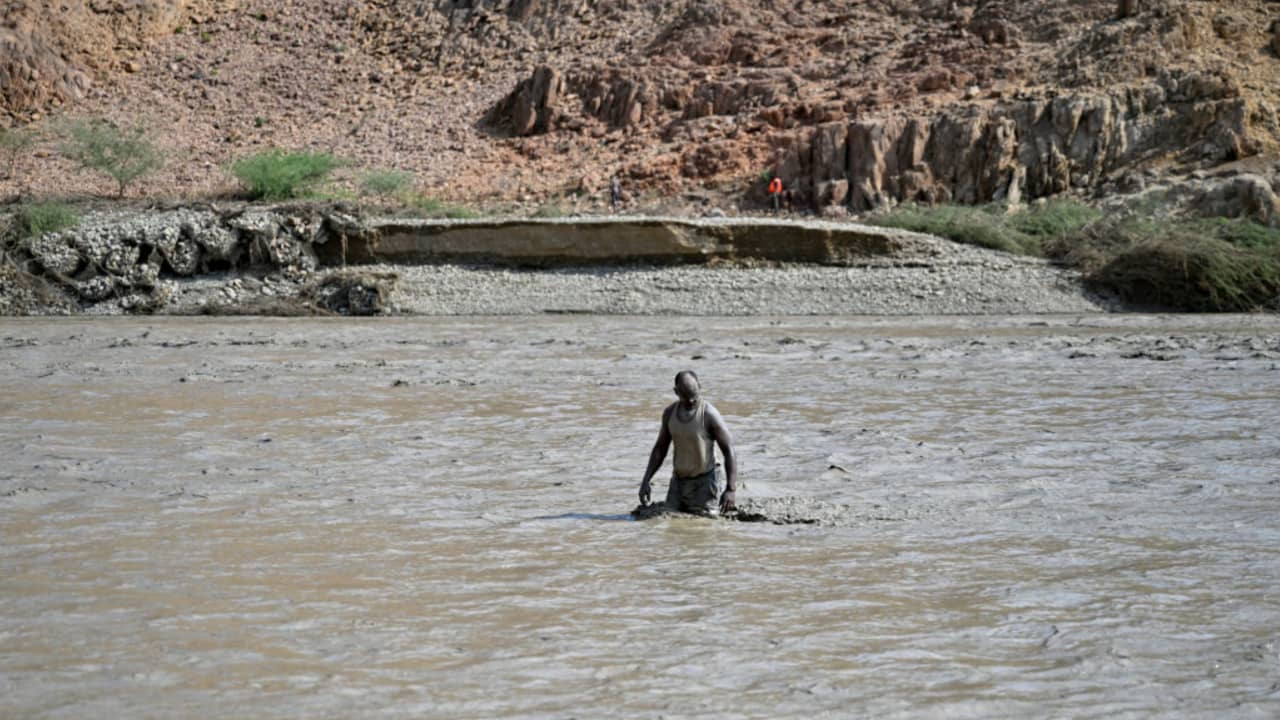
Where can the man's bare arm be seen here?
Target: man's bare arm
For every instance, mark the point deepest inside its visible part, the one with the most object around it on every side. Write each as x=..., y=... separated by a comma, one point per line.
x=720, y=432
x=656, y=457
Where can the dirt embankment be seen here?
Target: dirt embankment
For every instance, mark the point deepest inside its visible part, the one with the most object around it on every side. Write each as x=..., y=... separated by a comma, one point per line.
x=293, y=259
x=854, y=103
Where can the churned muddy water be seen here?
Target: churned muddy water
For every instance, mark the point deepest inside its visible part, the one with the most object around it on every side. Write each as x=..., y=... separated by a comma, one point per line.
x=427, y=518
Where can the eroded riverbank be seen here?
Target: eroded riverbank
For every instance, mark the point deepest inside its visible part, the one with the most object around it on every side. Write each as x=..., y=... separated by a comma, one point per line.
x=1048, y=516
x=306, y=259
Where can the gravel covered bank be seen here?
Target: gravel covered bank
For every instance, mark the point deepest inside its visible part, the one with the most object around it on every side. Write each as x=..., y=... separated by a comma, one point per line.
x=960, y=280
x=928, y=276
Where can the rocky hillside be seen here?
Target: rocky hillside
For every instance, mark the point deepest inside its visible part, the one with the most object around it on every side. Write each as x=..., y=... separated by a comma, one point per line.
x=853, y=102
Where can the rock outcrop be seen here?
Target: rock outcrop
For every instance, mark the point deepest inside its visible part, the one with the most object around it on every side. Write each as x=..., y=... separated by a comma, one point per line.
x=1248, y=195
x=534, y=107
x=124, y=257
x=1019, y=149
x=1123, y=106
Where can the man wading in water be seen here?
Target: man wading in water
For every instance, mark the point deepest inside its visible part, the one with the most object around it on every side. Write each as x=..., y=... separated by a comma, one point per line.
x=697, y=483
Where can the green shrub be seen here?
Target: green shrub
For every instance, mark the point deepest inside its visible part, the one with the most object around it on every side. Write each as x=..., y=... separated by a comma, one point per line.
x=278, y=175
x=14, y=142
x=1053, y=218
x=1241, y=232
x=386, y=183
x=123, y=154
x=982, y=226
x=39, y=218
x=1143, y=255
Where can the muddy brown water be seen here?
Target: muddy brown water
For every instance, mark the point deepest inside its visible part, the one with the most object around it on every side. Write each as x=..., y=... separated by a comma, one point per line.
x=427, y=518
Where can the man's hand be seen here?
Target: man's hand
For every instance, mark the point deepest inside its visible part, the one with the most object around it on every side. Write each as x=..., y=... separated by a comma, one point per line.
x=645, y=491
x=727, y=499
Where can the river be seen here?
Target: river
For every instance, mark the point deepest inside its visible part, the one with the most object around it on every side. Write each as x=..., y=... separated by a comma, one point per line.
x=1059, y=516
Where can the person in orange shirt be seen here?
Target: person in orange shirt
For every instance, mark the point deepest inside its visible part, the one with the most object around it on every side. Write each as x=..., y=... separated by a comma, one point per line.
x=775, y=192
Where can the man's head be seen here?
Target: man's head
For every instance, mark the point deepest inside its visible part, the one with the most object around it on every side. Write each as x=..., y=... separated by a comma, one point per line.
x=686, y=387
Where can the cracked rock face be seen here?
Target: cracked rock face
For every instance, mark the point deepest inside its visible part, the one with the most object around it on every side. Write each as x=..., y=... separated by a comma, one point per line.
x=124, y=256
x=1025, y=149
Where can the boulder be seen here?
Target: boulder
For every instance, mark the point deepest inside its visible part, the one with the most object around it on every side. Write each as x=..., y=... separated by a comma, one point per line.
x=183, y=256
x=832, y=193
x=620, y=100
x=1230, y=26
x=353, y=293
x=121, y=259
x=217, y=243
x=1248, y=196
x=533, y=107
x=97, y=288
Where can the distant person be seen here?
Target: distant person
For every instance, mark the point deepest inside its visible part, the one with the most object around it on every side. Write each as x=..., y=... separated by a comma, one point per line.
x=775, y=193
x=615, y=192
x=697, y=483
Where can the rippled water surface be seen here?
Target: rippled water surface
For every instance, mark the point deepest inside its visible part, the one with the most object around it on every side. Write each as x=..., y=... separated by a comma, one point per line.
x=1048, y=517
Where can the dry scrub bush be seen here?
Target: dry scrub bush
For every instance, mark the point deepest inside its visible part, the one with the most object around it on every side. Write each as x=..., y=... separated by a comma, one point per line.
x=122, y=154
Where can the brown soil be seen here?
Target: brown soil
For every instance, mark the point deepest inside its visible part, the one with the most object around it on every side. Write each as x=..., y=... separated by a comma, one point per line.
x=687, y=100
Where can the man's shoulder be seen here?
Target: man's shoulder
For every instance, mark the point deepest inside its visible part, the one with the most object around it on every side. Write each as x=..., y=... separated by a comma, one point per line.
x=711, y=416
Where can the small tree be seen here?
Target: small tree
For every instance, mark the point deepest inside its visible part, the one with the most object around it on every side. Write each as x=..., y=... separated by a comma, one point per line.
x=13, y=142
x=124, y=155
